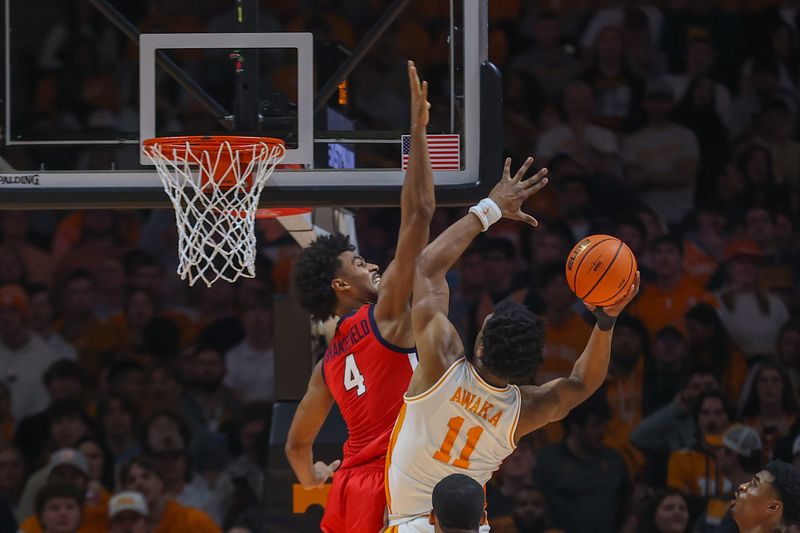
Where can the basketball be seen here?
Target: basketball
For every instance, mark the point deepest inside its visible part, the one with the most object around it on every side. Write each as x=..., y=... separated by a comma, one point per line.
x=600, y=269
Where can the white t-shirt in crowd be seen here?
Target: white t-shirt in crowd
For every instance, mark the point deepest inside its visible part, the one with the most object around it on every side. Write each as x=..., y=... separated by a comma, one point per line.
x=754, y=332
x=250, y=372
x=21, y=370
x=658, y=150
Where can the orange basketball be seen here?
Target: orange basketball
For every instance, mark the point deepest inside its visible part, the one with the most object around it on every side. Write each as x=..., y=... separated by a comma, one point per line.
x=600, y=268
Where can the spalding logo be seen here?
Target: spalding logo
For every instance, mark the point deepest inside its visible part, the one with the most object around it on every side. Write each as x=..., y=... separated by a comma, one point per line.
x=580, y=247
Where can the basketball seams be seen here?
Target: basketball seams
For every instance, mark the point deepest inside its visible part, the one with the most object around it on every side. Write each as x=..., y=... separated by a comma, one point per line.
x=628, y=279
x=610, y=264
x=584, y=254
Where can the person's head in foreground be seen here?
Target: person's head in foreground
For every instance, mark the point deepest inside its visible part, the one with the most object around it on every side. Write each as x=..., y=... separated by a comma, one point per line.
x=128, y=513
x=770, y=501
x=330, y=275
x=666, y=513
x=458, y=505
x=59, y=507
x=510, y=343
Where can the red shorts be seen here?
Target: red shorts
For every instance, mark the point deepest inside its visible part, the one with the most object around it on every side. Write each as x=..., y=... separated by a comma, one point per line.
x=356, y=501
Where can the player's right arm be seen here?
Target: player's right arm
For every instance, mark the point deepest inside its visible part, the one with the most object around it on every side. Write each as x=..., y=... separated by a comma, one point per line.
x=555, y=399
x=308, y=419
x=437, y=341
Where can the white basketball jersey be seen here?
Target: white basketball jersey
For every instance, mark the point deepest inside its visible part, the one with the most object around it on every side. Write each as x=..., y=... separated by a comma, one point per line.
x=460, y=425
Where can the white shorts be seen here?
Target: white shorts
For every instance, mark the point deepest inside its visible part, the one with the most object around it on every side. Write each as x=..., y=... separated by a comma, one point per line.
x=421, y=525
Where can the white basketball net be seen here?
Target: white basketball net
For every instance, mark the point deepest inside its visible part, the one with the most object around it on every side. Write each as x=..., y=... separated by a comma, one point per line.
x=215, y=210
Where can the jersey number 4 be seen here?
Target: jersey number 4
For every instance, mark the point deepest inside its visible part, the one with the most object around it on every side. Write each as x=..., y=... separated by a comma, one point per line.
x=453, y=429
x=353, y=379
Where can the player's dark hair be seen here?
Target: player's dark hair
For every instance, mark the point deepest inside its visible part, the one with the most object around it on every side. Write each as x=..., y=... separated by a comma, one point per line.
x=787, y=485
x=513, y=340
x=57, y=490
x=313, y=272
x=458, y=503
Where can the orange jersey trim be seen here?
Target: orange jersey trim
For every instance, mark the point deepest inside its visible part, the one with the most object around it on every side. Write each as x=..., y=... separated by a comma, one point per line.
x=438, y=383
x=392, y=441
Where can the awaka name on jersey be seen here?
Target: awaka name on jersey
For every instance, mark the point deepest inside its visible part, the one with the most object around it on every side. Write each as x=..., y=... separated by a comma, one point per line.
x=477, y=405
x=343, y=345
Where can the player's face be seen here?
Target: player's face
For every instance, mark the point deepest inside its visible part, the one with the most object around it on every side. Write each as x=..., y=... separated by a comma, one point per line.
x=756, y=502
x=360, y=277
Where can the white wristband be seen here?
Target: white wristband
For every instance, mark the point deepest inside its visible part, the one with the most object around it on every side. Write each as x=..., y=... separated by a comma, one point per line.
x=487, y=211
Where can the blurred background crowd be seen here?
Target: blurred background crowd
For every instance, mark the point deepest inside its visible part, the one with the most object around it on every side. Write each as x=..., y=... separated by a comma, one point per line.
x=670, y=124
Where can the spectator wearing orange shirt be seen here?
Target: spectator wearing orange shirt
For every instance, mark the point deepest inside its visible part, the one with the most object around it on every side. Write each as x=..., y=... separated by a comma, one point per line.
x=69, y=466
x=694, y=470
x=566, y=332
x=166, y=515
x=624, y=383
x=665, y=301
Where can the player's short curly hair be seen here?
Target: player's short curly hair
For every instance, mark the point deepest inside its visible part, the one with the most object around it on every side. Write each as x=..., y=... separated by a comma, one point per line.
x=313, y=272
x=513, y=340
x=787, y=485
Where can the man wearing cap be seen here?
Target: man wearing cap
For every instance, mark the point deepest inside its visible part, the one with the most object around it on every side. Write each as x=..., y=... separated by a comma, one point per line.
x=661, y=158
x=24, y=356
x=128, y=513
x=69, y=466
x=739, y=457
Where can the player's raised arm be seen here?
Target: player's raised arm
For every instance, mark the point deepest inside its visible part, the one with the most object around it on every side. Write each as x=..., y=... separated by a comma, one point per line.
x=417, y=204
x=307, y=421
x=437, y=341
x=555, y=399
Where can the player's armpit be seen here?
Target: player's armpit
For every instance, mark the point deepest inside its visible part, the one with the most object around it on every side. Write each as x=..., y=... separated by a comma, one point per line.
x=548, y=403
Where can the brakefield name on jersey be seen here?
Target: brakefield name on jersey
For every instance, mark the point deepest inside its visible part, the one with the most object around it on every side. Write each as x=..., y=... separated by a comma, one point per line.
x=344, y=344
x=477, y=405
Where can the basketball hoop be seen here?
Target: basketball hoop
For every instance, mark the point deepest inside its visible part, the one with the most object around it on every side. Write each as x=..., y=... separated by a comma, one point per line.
x=214, y=184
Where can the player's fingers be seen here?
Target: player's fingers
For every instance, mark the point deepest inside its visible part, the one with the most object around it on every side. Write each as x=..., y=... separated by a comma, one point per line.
x=525, y=217
x=537, y=178
x=334, y=465
x=413, y=79
x=536, y=187
x=590, y=307
x=523, y=169
x=425, y=91
x=507, y=168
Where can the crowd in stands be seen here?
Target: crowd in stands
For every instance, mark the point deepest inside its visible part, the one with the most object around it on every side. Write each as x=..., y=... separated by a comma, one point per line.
x=126, y=397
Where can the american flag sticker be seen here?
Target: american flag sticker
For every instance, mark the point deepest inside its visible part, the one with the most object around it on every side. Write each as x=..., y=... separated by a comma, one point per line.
x=445, y=151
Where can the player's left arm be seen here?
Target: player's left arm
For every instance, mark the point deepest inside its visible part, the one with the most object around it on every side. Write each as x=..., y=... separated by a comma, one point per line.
x=437, y=341
x=417, y=205
x=307, y=421
x=555, y=399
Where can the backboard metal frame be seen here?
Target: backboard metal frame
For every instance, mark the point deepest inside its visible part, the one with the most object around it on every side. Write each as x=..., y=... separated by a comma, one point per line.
x=482, y=141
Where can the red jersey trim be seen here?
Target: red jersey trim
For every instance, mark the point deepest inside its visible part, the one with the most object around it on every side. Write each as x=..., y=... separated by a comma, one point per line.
x=377, y=332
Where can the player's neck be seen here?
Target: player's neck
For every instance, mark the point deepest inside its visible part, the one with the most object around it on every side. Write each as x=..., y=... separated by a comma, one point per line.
x=487, y=376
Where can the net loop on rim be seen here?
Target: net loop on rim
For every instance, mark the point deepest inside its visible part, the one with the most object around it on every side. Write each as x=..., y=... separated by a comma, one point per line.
x=214, y=184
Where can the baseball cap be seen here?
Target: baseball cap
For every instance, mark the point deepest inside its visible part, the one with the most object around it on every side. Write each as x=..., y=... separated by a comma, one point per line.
x=15, y=297
x=742, y=439
x=68, y=456
x=796, y=446
x=127, y=501
x=742, y=247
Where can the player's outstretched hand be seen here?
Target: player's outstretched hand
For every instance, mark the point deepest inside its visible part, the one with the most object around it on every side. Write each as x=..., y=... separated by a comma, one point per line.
x=614, y=310
x=322, y=472
x=420, y=106
x=511, y=191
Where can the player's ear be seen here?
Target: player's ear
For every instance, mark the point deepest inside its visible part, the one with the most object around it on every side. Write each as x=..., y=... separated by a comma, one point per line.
x=431, y=518
x=338, y=284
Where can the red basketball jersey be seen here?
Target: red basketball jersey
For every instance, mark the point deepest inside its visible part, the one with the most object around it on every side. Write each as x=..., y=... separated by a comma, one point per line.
x=367, y=377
